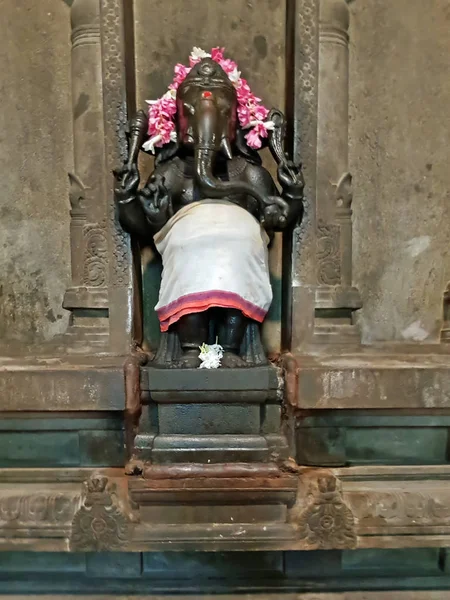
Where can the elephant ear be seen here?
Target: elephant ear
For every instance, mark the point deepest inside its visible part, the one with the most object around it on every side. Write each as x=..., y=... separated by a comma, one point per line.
x=244, y=149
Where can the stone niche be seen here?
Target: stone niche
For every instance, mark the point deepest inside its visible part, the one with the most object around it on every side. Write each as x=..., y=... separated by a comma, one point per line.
x=338, y=443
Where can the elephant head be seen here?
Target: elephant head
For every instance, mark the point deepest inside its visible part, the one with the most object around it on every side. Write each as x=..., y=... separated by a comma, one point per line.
x=207, y=123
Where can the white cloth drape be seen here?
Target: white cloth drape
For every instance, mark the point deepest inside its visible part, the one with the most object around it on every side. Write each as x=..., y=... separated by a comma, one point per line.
x=214, y=254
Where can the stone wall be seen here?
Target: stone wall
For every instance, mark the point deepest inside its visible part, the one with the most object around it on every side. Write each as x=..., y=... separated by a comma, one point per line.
x=227, y=575
x=399, y=156
x=35, y=156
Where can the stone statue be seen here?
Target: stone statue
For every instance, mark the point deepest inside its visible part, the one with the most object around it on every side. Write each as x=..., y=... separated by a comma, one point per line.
x=209, y=205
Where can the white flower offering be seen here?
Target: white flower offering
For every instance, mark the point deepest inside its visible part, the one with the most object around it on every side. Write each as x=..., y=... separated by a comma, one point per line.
x=210, y=355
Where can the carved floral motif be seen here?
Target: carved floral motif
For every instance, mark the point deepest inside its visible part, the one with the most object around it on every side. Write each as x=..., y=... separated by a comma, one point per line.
x=306, y=82
x=327, y=522
x=328, y=254
x=100, y=523
x=402, y=509
x=96, y=255
x=35, y=509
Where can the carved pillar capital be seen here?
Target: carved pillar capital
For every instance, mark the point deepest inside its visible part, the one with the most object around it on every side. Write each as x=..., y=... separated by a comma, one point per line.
x=84, y=12
x=85, y=21
x=334, y=13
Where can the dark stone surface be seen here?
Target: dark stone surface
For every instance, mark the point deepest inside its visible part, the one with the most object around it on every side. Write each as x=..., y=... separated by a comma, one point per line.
x=36, y=441
x=358, y=438
x=235, y=573
x=208, y=380
x=209, y=416
x=208, y=419
x=209, y=448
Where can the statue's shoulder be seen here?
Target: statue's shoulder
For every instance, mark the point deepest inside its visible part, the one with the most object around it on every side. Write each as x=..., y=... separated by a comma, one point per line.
x=256, y=174
x=237, y=166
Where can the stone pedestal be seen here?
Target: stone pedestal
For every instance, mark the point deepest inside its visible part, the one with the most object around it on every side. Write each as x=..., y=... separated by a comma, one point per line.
x=221, y=502
x=217, y=416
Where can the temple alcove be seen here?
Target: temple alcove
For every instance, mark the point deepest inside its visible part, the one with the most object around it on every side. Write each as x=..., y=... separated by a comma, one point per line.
x=366, y=426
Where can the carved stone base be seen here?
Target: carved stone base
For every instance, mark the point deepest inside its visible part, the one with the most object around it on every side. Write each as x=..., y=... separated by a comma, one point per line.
x=334, y=315
x=225, y=500
x=296, y=509
x=88, y=330
x=85, y=339
x=218, y=416
x=335, y=331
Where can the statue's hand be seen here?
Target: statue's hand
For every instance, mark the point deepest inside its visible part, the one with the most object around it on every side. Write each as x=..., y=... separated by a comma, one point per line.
x=275, y=215
x=291, y=178
x=127, y=182
x=156, y=201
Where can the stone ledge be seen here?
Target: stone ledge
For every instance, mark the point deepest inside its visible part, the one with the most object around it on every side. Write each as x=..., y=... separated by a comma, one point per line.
x=249, y=385
x=379, y=595
x=348, y=508
x=397, y=377
x=394, y=377
x=84, y=383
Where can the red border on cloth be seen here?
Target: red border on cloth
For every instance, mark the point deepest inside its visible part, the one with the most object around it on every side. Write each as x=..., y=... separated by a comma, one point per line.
x=199, y=302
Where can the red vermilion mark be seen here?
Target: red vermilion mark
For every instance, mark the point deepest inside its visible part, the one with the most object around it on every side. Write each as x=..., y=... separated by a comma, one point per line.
x=206, y=94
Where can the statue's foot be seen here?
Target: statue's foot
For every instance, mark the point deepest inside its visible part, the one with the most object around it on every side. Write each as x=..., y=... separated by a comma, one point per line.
x=232, y=361
x=189, y=360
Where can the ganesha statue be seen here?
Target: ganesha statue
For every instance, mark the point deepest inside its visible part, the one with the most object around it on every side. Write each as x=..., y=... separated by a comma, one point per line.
x=210, y=208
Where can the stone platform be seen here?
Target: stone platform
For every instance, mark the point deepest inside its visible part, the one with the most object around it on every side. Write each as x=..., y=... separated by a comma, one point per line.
x=87, y=510
x=256, y=500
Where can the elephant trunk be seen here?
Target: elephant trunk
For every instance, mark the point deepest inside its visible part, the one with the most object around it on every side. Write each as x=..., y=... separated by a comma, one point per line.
x=215, y=188
x=209, y=140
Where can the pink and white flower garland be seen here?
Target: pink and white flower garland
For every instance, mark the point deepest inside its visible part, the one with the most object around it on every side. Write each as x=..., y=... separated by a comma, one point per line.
x=252, y=114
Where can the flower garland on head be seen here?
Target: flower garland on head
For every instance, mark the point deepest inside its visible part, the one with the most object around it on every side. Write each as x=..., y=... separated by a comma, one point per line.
x=252, y=114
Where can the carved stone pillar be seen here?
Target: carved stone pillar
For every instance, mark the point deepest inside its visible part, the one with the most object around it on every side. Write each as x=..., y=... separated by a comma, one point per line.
x=303, y=272
x=87, y=298
x=100, y=296
x=120, y=265
x=335, y=297
x=445, y=331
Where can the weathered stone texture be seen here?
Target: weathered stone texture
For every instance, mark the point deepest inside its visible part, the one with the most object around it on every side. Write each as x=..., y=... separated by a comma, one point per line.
x=399, y=156
x=35, y=155
x=252, y=33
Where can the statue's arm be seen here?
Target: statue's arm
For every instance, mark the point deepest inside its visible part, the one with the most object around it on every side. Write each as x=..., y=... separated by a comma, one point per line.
x=156, y=198
x=130, y=211
x=143, y=212
x=290, y=179
x=287, y=207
